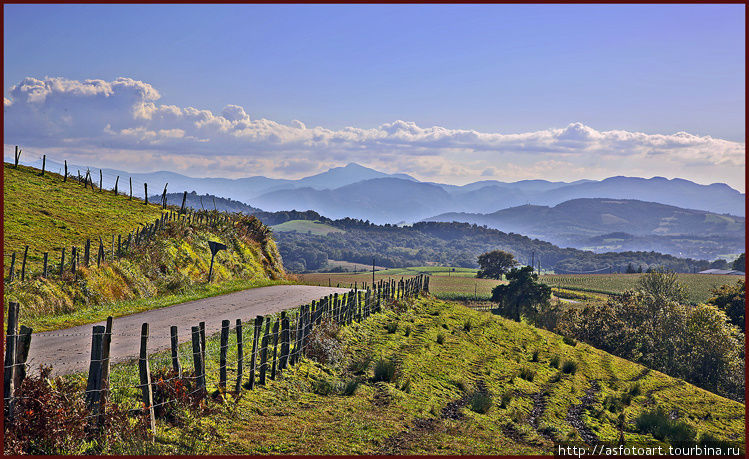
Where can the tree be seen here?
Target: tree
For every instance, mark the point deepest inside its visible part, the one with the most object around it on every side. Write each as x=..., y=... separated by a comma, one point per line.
x=522, y=295
x=740, y=263
x=730, y=300
x=495, y=263
x=661, y=286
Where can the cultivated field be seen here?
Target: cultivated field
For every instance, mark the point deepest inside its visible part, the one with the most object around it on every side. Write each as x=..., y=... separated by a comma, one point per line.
x=306, y=226
x=697, y=286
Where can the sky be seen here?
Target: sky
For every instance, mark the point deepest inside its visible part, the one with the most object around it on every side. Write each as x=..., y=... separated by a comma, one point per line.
x=446, y=93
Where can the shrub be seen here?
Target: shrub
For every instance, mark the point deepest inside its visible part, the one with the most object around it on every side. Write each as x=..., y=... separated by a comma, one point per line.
x=506, y=399
x=323, y=346
x=635, y=390
x=407, y=331
x=172, y=395
x=658, y=424
x=569, y=366
x=467, y=325
x=556, y=378
x=527, y=374
x=384, y=370
x=440, y=338
x=323, y=387
x=569, y=341
x=613, y=404
x=349, y=388
x=480, y=402
x=445, y=326
x=554, y=361
x=360, y=365
x=534, y=358
x=392, y=327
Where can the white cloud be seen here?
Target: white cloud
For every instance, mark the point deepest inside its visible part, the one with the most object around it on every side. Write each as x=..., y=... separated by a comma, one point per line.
x=124, y=116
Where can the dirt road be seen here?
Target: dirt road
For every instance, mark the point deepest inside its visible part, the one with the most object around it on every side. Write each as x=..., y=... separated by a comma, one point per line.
x=69, y=350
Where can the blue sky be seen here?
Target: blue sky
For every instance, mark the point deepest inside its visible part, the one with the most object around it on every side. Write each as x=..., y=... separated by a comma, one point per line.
x=533, y=71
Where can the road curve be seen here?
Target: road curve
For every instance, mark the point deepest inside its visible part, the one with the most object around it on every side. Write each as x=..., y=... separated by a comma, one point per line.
x=69, y=350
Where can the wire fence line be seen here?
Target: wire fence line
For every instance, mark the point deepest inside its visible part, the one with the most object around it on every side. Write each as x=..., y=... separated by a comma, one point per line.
x=263, y=348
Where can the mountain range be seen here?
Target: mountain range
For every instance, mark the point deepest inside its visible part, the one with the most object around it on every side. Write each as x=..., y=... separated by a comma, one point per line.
x=360, y=192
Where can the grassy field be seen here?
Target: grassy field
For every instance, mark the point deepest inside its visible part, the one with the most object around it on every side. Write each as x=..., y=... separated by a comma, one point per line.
x=306, y=226
x=697, y=286
x=47, y=215
x=448, y=359
x=441, y=285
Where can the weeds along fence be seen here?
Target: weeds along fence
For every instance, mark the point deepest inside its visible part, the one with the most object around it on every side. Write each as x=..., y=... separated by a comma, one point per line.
x=261, y=350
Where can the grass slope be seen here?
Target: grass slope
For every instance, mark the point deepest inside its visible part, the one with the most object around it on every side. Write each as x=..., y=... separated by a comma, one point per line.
x=48, y=214
x=443, y=352
x=305, y=226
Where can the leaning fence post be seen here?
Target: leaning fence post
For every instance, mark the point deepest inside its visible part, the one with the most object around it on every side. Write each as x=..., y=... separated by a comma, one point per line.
x=12, y=266
x=175, y=356
x=115, y=185
x=264, y=354
x=23, y=264
x=182, y=208
x=10, y=357
x=257, y=324
x=145, y=377
x=197, y=357
x=105, y=345
x=93, y=387
x=23, y=343
x=222, y=356
x=240, y=357
x=275, y=350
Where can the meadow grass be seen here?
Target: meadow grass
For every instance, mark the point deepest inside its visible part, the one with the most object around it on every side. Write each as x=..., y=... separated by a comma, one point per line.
x=306, y=226
x=291, y=415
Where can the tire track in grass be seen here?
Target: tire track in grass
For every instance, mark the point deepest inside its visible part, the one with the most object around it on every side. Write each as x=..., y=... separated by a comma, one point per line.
x=575, y=413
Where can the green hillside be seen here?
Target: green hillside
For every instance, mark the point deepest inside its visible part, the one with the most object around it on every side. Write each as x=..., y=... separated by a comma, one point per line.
x=48, y=214
x=306, y=226
x=168, y=267
x=464, y=382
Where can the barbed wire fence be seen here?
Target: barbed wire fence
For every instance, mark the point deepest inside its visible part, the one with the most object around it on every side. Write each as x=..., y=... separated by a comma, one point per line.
x=273, y=343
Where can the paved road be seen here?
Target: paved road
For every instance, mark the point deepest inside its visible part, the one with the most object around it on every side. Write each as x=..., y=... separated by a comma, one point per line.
x=69, y=350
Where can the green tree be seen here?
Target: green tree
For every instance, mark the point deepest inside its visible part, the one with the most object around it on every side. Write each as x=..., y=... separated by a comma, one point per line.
x=731, y=300
x=495, y=263
x=661, y=286
x=522, y=296
x=740, y=263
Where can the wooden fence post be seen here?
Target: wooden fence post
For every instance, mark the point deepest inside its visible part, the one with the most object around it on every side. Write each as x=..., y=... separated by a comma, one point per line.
x=145, y=188
x=65, y=177
x=23, y=343
x=23, y=264
x=184, y=199
x=222, y=356
x=145, y=377
x=87, y=252
x=117, y=180
x=93, y=386
x=257, y=324
x=101, y=181
x=275, y=350
x=72, y=260
x=44, y=163
x=264, y=354
x=197, y=357
x=12, y=267
x=163, y=197
x=284, y=342
x=10, y=357
x=175, y=347
x=17, y=156
x=105, y=346
x=131, y=188
x=202, y=343
x=44, y=268
x=240, y=357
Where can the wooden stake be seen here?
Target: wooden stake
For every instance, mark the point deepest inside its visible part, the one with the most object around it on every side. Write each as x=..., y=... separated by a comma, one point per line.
x=117, y=181
x=175, y=348
x=145, y=188
x=145, y=377
x=240, y=357
x=257, y=325
x=224, y=344
x=93, y=387
x=264, y=354
x=44, y=164
x=44, y=269
x=275, y=350
x=10, y=357
x=197, y=357
x=105, y=347
x=65, y=177
x=23, y=344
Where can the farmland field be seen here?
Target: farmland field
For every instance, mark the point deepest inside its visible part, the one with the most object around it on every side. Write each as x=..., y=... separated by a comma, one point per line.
x=306, y=226
x=697, y=286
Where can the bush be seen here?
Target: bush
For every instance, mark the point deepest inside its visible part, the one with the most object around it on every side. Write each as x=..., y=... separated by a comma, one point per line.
x=349, y=388
x=480, y=402
x=407, y=331
x=506, y=399
x=384, y=370
x=569, y=366
x=323, y=387
x=527, y=374
x=440, y=338
x=172, y=395
x=569, y=341
x=323, y=346
x=467, y=325
x=613, y=404
x=360, y=365
x=658, y=424
x=392, y=327
x=635, y=390
x=554, y=361
x=534, y=358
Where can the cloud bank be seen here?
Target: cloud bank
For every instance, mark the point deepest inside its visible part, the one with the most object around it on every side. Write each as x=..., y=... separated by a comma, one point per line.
x=121, y=123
